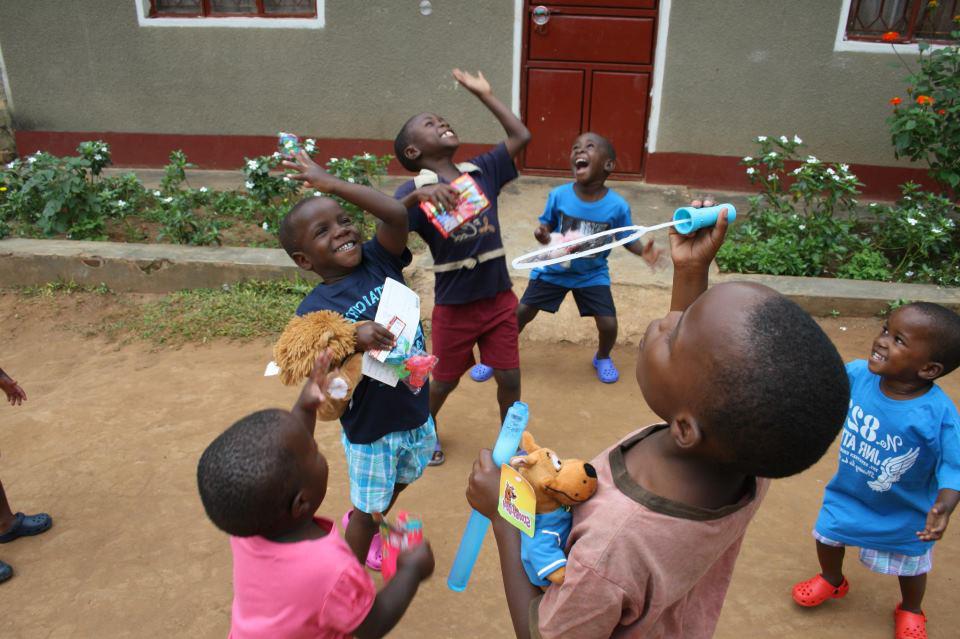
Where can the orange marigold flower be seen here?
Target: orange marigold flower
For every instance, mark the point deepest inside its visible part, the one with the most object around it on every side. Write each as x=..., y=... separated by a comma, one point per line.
x=895, y=101
x=924, y=99
x=890, y=36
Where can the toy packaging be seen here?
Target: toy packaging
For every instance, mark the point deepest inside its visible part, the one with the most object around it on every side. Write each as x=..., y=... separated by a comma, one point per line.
x=407, y=533
x=412, y=365
x=288, y=144
x=471, y=203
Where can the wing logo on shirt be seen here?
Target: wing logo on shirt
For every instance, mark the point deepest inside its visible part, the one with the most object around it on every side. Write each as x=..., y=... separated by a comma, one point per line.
x=892, y=469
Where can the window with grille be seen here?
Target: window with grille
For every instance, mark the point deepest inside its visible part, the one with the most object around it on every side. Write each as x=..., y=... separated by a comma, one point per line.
x=233, y=8
x=907, y=20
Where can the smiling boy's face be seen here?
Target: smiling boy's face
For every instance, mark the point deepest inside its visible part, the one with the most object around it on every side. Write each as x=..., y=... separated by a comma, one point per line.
x=327, y=239
x=903, y=348
x=431, y=136
x=589, y=159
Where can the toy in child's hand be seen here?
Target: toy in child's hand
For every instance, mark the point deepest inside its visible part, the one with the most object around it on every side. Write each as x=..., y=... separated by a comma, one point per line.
x=289, y=144
x=559, y=484
x=303, y=340
x=470, y=203
x=407, y=533
x=411, y=364
x=687, y=219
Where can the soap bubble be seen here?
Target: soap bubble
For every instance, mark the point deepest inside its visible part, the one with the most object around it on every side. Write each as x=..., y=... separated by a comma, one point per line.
x=426, y=7
x=541, y=15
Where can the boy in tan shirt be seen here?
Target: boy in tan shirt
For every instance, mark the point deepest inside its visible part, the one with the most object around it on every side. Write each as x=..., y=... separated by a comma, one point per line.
x=732, y=372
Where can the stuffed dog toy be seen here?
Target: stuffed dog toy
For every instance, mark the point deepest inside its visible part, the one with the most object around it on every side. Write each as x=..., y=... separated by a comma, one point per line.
x=559, y=484
x=301, y=343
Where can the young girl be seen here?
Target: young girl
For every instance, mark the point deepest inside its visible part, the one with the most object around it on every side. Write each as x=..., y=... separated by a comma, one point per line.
x=899, y=473
x=261, y=481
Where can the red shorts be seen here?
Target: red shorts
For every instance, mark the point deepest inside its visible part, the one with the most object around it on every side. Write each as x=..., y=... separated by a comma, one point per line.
x=490, y=323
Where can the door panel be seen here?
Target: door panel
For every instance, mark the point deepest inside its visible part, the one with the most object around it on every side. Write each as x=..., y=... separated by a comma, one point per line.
x=594, y=39
x=554, y=103
x=618, y=111
x=626, y=4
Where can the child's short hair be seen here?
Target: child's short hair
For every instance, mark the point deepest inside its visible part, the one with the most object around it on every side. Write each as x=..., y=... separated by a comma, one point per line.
x=401, y=142
x=945, y=334
x=607, y=146
x=288, y=232
x=779, y=407
x=247, y=477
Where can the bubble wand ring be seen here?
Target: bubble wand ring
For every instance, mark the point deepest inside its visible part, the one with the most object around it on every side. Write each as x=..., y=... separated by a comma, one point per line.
x=687, y=220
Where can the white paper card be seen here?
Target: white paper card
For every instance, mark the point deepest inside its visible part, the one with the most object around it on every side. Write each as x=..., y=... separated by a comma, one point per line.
x=399, y=310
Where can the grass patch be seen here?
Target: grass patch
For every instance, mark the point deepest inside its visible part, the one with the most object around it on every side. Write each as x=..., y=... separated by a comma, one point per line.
x=246, y=310
x=62, y=286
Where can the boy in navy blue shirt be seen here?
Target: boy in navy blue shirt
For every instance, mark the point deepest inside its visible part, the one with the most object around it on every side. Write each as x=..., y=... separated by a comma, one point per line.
x=388, y=434
x=899, y=475
x=474, y=301
x=584, y=206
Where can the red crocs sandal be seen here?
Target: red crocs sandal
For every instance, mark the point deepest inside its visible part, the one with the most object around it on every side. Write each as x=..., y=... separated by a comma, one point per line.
x=909, y=625
x=814, y=592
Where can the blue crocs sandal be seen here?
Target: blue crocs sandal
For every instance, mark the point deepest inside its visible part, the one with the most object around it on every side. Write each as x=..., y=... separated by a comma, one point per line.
x=481, y=373
x=26, y=525
x=606, y=371
x=5, y=571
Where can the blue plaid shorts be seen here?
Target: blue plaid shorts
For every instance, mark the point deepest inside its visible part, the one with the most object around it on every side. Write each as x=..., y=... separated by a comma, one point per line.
x=886, y=562
x=395, y=458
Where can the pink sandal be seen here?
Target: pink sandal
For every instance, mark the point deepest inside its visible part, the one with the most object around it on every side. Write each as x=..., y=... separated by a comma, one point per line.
x=375, y=554
x=815, y=591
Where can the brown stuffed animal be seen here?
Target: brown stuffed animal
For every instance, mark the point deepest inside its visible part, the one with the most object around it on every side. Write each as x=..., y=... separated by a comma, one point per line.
x=303, y=340
x=558, y=484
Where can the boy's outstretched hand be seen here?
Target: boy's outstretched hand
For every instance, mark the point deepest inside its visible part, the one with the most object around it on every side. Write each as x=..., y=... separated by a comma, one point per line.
x=310, y=172
x=419, y=558
x=313, y=393
x=697, y=250
x=476, y=84
x=483, y=487
x=15, y=394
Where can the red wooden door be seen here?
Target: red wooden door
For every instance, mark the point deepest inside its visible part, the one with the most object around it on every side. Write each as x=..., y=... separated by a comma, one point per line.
x=587, y=68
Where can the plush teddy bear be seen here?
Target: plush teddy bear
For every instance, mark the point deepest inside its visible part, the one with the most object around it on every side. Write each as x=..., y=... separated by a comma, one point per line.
x=301, y=343
x=558, y=485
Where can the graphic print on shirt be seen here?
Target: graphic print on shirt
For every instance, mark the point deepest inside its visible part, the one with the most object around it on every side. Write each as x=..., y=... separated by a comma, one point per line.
x=871, y=452
x=367, y=305
x=569, y=223
x=473, y=229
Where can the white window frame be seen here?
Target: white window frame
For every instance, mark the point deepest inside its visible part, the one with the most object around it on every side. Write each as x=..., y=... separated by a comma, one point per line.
x=842, y=44
x=144, y=20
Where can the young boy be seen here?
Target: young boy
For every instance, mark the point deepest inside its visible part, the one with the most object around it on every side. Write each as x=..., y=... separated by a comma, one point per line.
x=731, y=371
x=388, y=434
x=16, y=525
x=899, y=475
x=474, y=300
x=585, y=206
x=261, y=482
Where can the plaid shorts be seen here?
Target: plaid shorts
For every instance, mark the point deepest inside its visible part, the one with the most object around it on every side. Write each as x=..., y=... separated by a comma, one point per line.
x=886, y=562
x=395, y=458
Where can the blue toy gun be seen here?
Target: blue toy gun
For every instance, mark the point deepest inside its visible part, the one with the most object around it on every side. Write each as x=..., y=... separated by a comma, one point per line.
x=505, y=448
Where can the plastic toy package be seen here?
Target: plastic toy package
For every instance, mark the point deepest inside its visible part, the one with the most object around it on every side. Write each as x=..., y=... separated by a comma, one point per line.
x=472, y=202
x=412, y=365
x=407, y=533
x=288, y=144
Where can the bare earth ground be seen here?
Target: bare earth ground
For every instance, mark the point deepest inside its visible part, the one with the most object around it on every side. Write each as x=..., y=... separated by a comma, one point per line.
x=108, y=444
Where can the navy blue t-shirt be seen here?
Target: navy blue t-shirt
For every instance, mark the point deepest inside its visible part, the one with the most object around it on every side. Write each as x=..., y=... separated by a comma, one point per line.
x=479, y=235
x=375, y=409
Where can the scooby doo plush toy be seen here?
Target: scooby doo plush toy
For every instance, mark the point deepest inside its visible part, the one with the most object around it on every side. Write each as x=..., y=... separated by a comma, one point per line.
x=558, y=484
x=301, y=343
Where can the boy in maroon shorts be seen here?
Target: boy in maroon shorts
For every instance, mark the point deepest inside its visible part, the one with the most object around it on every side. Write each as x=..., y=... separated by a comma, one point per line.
x=474, y=300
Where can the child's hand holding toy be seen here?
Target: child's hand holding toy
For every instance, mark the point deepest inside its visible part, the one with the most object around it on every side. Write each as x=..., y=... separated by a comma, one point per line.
x=440, y=195
x=374, y=337
x=306, y=170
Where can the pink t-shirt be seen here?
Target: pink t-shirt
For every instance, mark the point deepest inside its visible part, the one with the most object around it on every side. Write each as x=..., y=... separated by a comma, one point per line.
x=640, y=566
x=312, y=589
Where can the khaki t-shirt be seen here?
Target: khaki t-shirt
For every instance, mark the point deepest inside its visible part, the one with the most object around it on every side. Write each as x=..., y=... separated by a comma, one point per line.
x=640, y=565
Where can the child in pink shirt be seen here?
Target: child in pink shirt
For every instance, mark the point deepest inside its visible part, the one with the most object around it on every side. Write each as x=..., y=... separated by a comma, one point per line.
x=261, y=481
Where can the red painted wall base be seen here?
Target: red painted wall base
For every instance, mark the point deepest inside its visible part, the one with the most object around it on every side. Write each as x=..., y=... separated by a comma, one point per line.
x=227, y=152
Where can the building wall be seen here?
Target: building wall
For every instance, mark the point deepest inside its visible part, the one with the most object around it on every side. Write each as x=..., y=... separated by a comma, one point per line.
x=740, y=68
x=86, y=65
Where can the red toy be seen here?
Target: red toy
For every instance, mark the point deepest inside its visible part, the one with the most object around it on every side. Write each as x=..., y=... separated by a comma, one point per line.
x=408, y=533
x=419, y=367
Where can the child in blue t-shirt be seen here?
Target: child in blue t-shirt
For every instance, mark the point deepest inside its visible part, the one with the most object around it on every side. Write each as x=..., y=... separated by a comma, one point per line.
x=899, y=474
x=585, y=206
x=388, y=435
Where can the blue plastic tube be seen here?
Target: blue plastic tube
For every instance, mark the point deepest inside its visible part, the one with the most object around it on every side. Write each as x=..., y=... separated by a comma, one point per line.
x=692, y=219
x=476, y=530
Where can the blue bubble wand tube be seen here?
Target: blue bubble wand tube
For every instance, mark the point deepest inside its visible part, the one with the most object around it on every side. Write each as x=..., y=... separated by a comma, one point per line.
x=476, y=530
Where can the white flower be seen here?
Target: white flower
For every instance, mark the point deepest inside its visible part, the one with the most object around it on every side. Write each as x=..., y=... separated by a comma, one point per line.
x=747, y=158
x=168, y=200
x=830, y=171
x=97, y=156
x=751, y=170
x=772, y=154
x=203, y=189
x=802, y=227
x=276, y=155
x=350, y=180
x=772, y=176
x=310, y=145
x=783, y=139
x=367, y=156
x=286, y=178
x=248, y=184
x=909, y=273
x=252, y=165
x=333, y=159
x=156, y=194
x=265, y=226
x=812, y=159
x=12, y=164
x=911, y=221
x=796, y=171
x=845, y=168
x=948, y=223
x=797, y=140
x=873, y=205
x=32, y=159
x=936, y=230
x=121, y=203
x=761, y=138
x=318, y=193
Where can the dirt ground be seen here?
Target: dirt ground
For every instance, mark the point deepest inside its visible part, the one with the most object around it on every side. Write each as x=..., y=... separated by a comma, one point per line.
x=109, y=439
